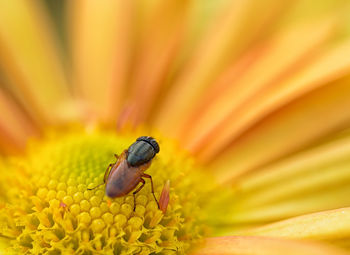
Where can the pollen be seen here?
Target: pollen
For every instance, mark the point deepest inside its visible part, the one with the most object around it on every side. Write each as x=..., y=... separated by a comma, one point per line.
x=46, y=208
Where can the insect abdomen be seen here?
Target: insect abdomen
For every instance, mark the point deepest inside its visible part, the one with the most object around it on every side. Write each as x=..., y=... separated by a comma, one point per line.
x=122, y=180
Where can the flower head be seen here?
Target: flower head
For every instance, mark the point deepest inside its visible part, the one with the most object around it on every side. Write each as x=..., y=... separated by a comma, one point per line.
x=47, y=207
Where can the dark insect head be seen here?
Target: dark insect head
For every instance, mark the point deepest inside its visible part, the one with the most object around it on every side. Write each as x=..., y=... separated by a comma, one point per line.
x=142, y=151
x=151, y=141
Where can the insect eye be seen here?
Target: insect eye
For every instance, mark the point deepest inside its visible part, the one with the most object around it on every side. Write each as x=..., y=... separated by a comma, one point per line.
x=151, y=141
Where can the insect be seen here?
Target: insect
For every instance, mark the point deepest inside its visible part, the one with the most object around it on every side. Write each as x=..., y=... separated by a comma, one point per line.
x=123, y=176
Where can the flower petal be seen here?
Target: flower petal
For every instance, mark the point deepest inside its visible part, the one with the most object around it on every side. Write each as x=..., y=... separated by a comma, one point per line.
x=100, y=34
x=222, y=43
x=252, y=245
x=303, y=183
x=15, y=125
x=155, y=54
x=30, y=59
x=330, y=226
x=262, y=86
x=4, y=243
x=250, y=109
x=287, y=130
x=308, y=203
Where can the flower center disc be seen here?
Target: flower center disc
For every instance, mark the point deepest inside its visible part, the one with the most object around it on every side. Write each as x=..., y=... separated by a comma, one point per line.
x=46, y=207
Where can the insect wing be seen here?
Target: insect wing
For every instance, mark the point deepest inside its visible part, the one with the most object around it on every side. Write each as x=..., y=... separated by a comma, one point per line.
x=122, y=179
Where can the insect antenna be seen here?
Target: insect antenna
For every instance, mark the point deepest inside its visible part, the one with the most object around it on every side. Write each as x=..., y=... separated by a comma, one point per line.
x=95, y=187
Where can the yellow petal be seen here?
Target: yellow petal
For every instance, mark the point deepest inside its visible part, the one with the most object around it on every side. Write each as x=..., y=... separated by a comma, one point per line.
x=294, y=206
x=252, y=245
x=287, y=130
x=156, y=50
x=222, y=43
x=327, y=225
x=100, y=34
x=304, y=183
x=14, y=124
x=310, y=161
x=263, y=98
x=250, y=94
x=30, y=59
x=4, y=243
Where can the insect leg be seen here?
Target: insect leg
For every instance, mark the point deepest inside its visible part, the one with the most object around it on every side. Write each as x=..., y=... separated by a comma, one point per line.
x=104, y=178
x=107, y=172
x=148, y=176
x=138, y=189
x=95, y=186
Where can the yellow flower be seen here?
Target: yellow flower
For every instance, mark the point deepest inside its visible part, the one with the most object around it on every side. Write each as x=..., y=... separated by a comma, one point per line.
x=256, y=92
x=52, y=211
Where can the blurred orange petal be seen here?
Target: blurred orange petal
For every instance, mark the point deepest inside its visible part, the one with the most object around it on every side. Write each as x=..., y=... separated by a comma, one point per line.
x=222, y=43
x=29, y=57
x=241, y=115
x=14, y=124
x=328, y=226
x=307, y=171
x=241, y=98
x=155, y=52
x=252, y=245
x=100, y=35
x=285, y=131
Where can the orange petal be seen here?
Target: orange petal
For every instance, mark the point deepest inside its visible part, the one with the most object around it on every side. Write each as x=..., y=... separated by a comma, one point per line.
x=294, y=206
x=250, y=107
x=222, y=43
x=100, y=35
x=14, y=123
x=285, y=131
x=245, y=97
x=312, y=171
x=155, y=53
x=252, y=245
x=314, y=161
x=30, y=61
